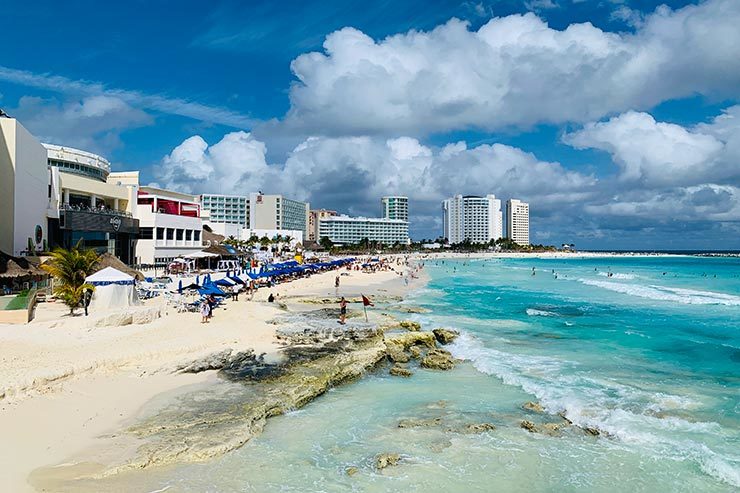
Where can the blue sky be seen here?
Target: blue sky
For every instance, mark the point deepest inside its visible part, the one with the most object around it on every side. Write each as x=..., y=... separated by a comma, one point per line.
x=616, y=119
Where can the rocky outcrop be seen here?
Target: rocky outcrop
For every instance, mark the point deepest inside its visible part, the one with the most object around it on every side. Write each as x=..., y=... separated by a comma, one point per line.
x=415, y=352
x=351, y=471
x=409, y=325
x=407, y=340
x=420, y=422
x=533, y=406
x=591, y=431
x=396, y=354
x=385, y=460
x=228, y=422
x=529, y=426
x=477, y=428
x=438, y=359
x=400, y=371
x=445, y=336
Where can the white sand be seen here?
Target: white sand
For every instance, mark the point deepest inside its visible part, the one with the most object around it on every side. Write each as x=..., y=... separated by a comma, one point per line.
x=67, y=384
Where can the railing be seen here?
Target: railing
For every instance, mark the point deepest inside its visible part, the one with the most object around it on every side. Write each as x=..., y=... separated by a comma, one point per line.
x=94, y=210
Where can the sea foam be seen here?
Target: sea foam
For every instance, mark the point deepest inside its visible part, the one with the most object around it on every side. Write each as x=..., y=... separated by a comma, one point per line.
x=665, y=293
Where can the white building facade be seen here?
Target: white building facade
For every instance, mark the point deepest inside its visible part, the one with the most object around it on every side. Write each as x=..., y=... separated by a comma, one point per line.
x=473, y=218
x=517, y=221
x=24, y=181
x=277, y=212
x=395, y=207
x=314, y=219
x=344, y=230
x=170, y=225
x=225, y=209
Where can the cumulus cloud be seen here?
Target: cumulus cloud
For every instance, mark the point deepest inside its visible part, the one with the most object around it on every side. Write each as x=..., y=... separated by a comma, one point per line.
x=236, y=164
x=92, y=123
x=513, y=71
x=656, y=153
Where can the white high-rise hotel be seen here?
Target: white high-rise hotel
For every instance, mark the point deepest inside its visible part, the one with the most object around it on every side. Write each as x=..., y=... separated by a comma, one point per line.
x=473, y=218
x=517, y=221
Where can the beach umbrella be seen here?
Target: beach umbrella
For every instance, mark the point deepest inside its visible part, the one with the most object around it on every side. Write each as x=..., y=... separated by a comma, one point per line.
x=179, y=287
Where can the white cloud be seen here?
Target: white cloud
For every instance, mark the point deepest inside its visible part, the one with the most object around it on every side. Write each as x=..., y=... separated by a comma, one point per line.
x=155, y=102
x=513, y=71
x=656, y=153
x=629, y=16
x=93, y=123
x=236, y=164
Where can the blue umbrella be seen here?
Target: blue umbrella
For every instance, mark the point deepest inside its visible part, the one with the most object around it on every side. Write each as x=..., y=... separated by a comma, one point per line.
x=179, y=287
x=197, y=279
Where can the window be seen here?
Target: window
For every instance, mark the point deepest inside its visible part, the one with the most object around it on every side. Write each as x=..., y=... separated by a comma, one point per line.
x=178, y=232
x=189, y=235
x=196, y=235
x=146, y=233
x=160, y=233
x=170, y=233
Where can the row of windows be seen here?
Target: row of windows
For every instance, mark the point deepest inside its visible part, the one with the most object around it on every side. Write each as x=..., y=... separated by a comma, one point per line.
x=79, y=169
x=169, y=234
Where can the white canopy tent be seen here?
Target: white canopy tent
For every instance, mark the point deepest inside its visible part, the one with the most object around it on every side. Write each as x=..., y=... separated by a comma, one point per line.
x=200, y=254
x=113, y=289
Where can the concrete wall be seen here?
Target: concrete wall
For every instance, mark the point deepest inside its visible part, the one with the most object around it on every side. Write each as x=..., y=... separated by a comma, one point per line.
x=24, y=180
x=7, y=184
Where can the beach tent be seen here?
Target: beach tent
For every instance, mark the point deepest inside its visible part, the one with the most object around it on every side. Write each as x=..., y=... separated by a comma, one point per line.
x=113, y=289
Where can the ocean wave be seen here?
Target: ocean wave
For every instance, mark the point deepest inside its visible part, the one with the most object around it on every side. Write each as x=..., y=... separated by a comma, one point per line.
x=533, y=312
x=618, y=275
x=623, y=412
x=665, y=293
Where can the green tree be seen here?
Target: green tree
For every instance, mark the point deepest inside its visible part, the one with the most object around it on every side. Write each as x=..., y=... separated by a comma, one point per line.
x=265, y=241
x=326, y=243
x=69, y=269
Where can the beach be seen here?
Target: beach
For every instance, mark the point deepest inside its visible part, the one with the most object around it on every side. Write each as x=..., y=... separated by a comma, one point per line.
x=67, y=382
x=571, y=372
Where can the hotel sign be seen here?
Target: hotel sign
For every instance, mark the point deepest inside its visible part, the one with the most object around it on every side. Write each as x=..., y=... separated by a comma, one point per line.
x=92, y=221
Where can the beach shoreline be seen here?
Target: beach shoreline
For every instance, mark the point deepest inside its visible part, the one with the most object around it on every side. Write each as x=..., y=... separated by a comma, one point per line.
x=66, y=386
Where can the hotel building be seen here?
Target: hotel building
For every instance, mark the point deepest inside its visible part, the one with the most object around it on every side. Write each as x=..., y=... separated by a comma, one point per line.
x=56, y=196
x=344, y=230
x=314, y=219
x=275, y=212
x=517, y=221
x=226, y=209
x=396, y=207
x=24, y=188
x=473, y=218
x=170, y=225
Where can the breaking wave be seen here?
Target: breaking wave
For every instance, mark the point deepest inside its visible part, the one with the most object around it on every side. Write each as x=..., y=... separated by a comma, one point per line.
x=665, y=293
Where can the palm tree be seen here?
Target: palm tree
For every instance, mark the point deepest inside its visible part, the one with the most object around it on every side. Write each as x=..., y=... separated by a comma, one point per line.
x=265, y=241
x=70, y=268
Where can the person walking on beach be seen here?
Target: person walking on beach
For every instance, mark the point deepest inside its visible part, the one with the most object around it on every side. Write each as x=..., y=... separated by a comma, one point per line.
x=86, y=298
x=235, y=292
x=205, y=310
x=342, y=311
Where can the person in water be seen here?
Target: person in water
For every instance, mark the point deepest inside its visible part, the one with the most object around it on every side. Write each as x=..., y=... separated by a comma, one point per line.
x=342, y=311
x=271, y=298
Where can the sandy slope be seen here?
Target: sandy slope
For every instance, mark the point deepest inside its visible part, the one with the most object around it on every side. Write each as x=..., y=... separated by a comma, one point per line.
x=66, y=384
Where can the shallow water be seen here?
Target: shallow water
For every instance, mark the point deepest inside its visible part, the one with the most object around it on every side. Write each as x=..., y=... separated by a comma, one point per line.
x=649, y=356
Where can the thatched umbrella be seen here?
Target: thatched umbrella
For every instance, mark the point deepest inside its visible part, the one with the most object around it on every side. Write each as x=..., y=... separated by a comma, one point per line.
x=18, y=267
x=110, y=260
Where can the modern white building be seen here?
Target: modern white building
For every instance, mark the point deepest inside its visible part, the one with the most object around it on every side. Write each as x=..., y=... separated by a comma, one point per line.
x=473, y=218
x=517, y=221
x=277, y=212
x=314, y=218
x=344, y=230
x=395, y=207
x=226, y=209
x=171, y=225
x=24, y=183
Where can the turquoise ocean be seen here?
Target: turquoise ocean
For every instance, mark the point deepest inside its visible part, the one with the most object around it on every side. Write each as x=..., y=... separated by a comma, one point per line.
x=645, y=349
